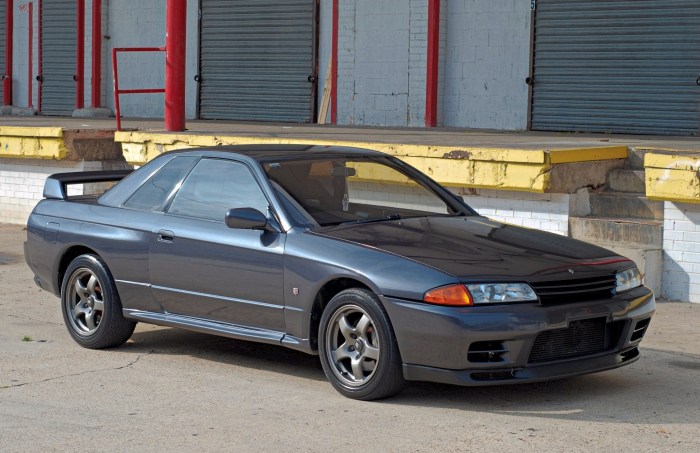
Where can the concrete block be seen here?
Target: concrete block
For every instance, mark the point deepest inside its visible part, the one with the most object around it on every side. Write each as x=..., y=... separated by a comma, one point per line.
x=625, y=205
x=647, y=233
x=626, y=180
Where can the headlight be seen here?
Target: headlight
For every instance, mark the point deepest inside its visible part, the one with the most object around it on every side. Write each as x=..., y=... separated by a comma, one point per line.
x=631, y=278
x=493, y=293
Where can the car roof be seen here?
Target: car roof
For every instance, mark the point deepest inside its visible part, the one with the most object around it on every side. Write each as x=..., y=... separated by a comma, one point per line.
x=276, y=151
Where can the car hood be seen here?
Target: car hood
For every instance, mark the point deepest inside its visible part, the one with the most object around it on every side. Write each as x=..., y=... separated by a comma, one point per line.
x=474, y=248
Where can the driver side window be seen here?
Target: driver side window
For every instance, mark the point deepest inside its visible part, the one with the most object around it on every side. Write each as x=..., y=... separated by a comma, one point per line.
x=214, y=186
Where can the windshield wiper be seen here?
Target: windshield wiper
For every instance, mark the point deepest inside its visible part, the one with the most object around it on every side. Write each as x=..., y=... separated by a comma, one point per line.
x=380, y=219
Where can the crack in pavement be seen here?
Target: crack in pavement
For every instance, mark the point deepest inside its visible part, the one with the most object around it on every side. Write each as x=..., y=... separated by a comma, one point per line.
x=35, y=320
x=128, y=365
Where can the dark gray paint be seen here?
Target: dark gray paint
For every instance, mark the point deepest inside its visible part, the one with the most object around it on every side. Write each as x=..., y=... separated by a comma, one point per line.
x=203, y=276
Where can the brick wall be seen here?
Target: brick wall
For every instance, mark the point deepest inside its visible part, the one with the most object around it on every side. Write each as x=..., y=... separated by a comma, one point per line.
x=547, y=212
x=487, y=61
x=417, y=62
x=381, y=62
x=681, y=274
x=22, y=183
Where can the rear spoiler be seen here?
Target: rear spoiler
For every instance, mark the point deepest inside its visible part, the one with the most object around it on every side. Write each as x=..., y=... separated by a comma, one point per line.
x=55, y=185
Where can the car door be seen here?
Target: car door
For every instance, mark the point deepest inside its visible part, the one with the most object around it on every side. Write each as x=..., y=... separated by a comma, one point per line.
x=201, y=268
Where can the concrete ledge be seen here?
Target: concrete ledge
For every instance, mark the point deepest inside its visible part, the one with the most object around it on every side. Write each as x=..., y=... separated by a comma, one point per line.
x=58, y=144
x=527, y=170
x=673, y=177
x=32, y=142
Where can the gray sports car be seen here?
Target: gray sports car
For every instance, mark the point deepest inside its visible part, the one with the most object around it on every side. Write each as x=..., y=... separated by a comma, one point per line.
x=345, y=253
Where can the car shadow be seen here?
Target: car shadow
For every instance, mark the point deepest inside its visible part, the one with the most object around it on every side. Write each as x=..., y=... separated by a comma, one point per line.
x=261, y=356
x=660, y=388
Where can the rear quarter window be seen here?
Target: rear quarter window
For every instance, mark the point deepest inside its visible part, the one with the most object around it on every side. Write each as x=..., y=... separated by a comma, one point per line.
x=154, y=193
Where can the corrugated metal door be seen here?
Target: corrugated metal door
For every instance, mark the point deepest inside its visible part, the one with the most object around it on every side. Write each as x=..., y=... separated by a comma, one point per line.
x=628, y=66
x=256, y=59
x=58, y=38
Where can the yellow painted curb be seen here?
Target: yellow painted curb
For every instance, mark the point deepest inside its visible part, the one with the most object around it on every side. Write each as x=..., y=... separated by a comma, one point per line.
x=32, y=142
x=561, y=156
x=479, y=167
x=672, y=177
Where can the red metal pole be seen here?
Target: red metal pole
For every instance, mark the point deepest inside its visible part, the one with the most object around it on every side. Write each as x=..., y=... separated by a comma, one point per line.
x=334, y=65
x=7, y=77
x=30, y=69
x=175, y=34
x=431, y=84
x=39, y=67
x=115, y=78
x=96, y=53
x=80, y=57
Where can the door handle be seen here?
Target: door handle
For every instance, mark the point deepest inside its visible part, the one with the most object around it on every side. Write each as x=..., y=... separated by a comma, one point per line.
x=166, y=236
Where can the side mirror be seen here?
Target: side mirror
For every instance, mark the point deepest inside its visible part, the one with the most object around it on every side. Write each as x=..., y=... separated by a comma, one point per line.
x=246, y=219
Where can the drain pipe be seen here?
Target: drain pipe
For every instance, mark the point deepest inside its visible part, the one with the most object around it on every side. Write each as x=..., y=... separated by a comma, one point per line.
x=79, y=76
x=30, y=55
x=96, y=90
x=431, y=79
x=39, y=56
x=334, y=65
x=175, y=55
x=7, y=77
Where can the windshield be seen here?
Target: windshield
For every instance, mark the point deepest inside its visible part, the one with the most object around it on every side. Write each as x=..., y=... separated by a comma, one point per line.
x=341, y=190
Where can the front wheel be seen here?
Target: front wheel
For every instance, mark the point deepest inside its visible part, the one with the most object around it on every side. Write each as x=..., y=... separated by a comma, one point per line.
x=358, y=350
x=91, y=307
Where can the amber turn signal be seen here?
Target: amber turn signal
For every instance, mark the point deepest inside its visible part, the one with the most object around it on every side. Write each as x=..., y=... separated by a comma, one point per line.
x=453, y=295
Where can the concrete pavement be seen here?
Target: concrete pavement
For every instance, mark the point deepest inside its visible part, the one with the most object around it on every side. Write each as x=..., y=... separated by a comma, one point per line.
x=173, y=390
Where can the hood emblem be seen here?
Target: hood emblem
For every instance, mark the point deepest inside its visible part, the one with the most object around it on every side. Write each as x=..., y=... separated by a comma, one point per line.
x=571, y=271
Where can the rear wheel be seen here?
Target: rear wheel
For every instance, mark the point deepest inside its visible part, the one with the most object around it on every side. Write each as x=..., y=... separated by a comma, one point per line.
x=358, y=350
x=91, y=307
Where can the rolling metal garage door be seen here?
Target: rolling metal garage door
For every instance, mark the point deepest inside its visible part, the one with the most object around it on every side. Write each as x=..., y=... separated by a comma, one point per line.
x=256, y=58
x=58, y=37
x=628, y=66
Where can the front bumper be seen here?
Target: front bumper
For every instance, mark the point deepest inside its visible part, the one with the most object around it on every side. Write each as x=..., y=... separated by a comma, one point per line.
x=495, y=344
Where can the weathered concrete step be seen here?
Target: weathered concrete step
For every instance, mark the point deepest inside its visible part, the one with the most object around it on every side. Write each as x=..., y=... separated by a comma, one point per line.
x=622, y=231
x=626, y=180
x=635, y=158
x=625, y=205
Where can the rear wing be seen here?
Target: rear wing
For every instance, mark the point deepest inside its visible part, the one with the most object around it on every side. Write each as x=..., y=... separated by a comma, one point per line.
x=55, y=185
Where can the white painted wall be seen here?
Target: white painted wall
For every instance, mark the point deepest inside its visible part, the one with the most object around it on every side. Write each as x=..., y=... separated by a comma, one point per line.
x=325, y=30
x=681, y=274
x=381, y=62
x=22, y=184
x=487, y=61
x=543, y=211
x=134, y=23
x=484, y=60
x=20, y=62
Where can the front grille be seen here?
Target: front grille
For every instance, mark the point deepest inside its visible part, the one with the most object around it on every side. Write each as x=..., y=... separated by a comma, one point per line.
x=575, y=290
x=585, y=337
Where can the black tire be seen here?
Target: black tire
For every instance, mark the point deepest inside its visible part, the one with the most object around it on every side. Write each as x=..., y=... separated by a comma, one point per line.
x=354, y=329
x=92, y=310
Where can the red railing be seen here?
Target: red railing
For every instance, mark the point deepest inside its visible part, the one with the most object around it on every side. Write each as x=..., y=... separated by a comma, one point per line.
x=115, y=71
